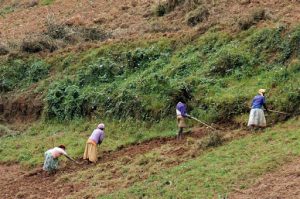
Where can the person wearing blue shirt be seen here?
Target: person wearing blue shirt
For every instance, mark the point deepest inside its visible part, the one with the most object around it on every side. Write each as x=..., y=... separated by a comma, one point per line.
x=257, y=118
x=181, y=113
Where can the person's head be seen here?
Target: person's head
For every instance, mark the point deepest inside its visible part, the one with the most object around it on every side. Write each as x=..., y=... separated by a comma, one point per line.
x=262, y=91
x=101, y=126
x=62, y=147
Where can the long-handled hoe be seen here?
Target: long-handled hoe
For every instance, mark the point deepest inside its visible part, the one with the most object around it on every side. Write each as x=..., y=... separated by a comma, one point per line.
x=202, y=122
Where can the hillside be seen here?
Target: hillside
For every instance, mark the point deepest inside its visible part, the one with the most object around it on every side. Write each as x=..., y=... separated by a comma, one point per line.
x=67, y=65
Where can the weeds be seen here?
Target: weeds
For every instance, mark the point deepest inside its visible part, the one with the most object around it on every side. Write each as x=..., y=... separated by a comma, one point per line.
x=248, y=21
x=196, y=16
x=3, y=49
x=34, y=44
x=213, y=140
x=19, y=73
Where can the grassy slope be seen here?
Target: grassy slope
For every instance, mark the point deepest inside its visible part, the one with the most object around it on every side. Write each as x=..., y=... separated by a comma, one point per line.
x=217, y=172
x=28, y=148
x=142, y=80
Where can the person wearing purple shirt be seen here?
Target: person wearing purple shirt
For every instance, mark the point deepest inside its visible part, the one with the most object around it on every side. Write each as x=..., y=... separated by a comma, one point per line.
x=257, y=118
x=90, y=152
x=181, y=114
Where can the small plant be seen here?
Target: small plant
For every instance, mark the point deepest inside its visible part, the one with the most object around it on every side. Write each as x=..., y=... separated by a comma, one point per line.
x=213, y=140
x=196, y=16
x=46, y=2
x=167, y=6
x=160, y=10
x=34, y=44
x=3, y=49
x=248, y=21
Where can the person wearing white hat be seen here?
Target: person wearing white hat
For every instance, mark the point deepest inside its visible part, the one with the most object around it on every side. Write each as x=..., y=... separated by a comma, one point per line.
x=257, y=117
x=97, y=137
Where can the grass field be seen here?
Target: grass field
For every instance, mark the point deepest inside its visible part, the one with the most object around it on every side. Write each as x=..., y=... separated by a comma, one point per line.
x=217, y=172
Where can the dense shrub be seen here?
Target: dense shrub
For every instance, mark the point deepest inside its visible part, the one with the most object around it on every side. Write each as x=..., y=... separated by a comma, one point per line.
x=37, y=70
x=126, y=104
x=228, y=59
x=20, y=73
x=63, y=100
x=211, y=43
x=66, y=101
x=104, y=70
x=141, y=57
x=293, y=40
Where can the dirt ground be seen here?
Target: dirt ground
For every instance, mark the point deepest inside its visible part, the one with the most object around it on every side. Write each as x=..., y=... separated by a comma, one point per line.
x=108, y=174
x=135, y=19
x=15, y=182
x=280, y=184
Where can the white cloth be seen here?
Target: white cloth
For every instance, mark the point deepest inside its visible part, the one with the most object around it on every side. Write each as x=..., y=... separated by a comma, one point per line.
x=56, y=152
x=257, y=118
x=178, y=113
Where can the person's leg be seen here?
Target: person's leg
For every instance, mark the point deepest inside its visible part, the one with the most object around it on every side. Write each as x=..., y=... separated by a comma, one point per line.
x=179, y=135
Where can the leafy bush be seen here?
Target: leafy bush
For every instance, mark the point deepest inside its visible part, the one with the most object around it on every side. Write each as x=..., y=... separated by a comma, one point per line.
x=140, y=57
x=126, y=104
x=37, y=70
x=20, y=73
x=66, y=101
x=103, y=71
x=196, y=16
x=211, y=43
x=293, y=42
x=227, y=59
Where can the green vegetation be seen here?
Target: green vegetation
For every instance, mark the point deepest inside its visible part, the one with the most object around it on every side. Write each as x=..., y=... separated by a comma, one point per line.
x=7, y=10
x=19, y=73
x=46, y=2
x=218, y=172
x=218, y=74
x=28, y=147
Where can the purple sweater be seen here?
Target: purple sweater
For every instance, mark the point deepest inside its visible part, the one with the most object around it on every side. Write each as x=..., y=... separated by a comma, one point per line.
x=181, y=107
x=258, y=101
x=97, y=136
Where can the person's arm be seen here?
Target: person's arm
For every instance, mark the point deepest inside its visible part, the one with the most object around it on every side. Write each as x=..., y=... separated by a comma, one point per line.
x=101, y=138
x=264, y=105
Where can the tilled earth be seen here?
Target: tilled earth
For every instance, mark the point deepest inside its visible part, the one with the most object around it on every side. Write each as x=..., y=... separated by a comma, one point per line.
x=15, y=182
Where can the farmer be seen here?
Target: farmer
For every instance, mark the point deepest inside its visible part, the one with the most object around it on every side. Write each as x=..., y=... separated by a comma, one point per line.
x=90, y=152
x=51, y=158
x=257, y=118
x=181, y=114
